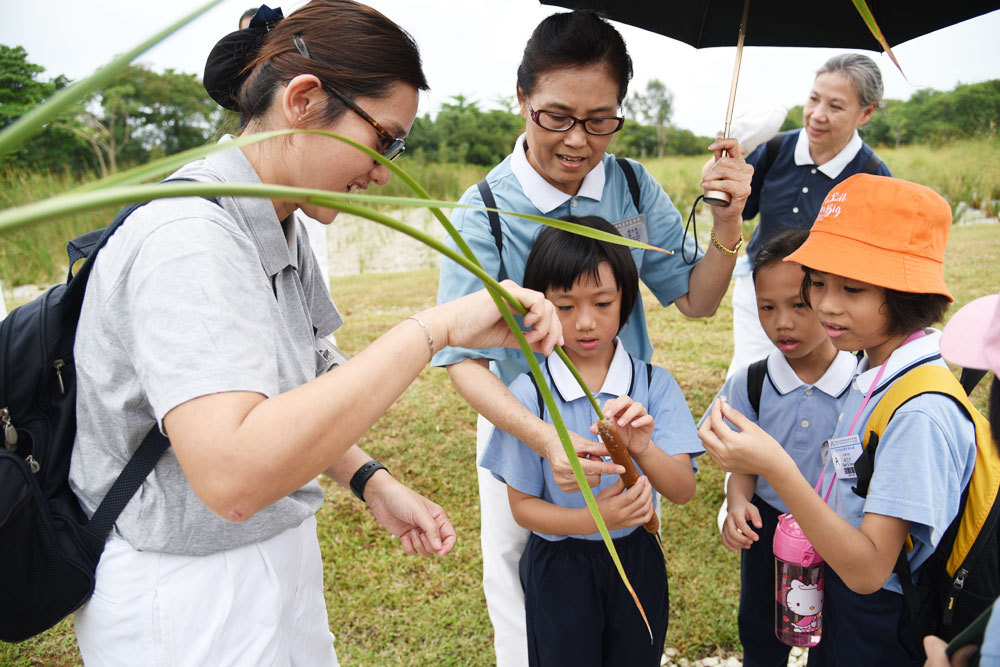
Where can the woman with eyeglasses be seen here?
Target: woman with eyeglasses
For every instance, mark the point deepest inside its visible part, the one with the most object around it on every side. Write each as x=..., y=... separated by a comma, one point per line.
x=205, y=319
x=570, y=86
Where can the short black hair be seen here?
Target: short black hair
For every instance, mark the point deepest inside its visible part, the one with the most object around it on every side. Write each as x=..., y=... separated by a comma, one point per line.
x=777, y=248
x=574, y=39
x=906, y=311
x=559, y=259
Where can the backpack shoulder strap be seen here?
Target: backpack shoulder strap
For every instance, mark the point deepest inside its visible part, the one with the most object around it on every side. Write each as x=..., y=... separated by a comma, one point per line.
x=979, y=506
x=872, y=165
x=128, y=482
x=756, y=374
x=538, y=395
x=774, y=147
x=633, y=182
x=490, y=202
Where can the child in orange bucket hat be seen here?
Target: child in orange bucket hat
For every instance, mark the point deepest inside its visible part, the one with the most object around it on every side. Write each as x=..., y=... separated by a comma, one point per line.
x=873, y=274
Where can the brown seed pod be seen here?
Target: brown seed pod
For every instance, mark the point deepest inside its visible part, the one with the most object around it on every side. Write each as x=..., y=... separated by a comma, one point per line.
x=619, y=454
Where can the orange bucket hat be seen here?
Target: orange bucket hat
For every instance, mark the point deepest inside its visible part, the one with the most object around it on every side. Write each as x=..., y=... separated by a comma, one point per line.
x=883, y=231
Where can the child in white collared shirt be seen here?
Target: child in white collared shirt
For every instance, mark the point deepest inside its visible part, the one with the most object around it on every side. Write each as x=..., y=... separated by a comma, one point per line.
x=874, y=275
x=800, y=397
x=583, y=614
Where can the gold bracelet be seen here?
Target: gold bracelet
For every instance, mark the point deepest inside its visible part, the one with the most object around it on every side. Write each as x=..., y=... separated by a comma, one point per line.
x=723, y=249
x=427, y=332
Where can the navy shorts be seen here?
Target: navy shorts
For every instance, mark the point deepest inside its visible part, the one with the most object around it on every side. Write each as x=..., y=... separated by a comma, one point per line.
x=579, y=612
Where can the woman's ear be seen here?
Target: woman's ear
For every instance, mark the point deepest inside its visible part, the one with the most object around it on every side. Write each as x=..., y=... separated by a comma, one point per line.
x=301, y=97
x=522, y=102
x=867, y=114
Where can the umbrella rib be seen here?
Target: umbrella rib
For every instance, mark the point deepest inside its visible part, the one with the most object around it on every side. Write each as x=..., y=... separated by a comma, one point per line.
x=701, y=26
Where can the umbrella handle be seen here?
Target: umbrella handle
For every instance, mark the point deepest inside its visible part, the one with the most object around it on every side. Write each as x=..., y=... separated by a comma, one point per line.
x=717, y=197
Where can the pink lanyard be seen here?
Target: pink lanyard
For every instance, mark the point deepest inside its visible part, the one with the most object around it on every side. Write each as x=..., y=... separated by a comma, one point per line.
x=864, y=403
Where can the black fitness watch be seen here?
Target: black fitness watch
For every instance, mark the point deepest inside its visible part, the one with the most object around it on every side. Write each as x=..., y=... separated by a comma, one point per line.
x=361, y=477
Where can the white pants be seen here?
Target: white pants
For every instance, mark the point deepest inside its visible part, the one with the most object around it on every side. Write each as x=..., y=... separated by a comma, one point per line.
x=750, y=343
x=503, y=541
x=260, y=604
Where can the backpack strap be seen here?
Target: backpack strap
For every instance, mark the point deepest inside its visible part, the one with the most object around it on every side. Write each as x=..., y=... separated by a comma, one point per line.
x=872, y=165
x=773, y=147
x=931, y=378
x=86, y=246
x=131, y=478
x=538, y=394
x=970, y=378
x=756, y=374
x=633, y=182
x=490, y=202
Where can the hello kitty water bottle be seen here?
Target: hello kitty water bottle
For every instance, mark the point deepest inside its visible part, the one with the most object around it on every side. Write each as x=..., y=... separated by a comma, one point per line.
x=798, y=586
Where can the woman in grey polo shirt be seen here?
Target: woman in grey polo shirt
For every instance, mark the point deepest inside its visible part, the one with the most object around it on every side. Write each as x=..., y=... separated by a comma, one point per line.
x=205, y=319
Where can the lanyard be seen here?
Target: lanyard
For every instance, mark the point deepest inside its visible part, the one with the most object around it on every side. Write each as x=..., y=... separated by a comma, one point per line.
x=878, y=376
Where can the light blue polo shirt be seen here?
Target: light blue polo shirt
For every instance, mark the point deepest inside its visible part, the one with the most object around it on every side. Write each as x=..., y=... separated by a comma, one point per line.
x=604, y=192
x=924, y=459
x=514, y=463
x=799, y=416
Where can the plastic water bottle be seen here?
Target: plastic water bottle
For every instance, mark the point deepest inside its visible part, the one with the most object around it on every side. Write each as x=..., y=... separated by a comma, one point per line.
x=798, y=586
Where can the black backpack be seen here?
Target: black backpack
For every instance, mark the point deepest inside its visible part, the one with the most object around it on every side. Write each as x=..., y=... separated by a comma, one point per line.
x=48, y=548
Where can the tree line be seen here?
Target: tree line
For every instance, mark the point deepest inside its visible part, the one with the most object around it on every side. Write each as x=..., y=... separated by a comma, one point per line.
x=144, y=114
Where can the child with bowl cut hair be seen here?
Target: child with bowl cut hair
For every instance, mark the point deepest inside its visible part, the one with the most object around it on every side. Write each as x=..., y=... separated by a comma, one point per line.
x=874, y=275
x=570, y=583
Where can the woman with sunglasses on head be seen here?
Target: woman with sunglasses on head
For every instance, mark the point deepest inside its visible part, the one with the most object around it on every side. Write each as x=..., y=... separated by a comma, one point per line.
x=205, y=319
x=570, y=86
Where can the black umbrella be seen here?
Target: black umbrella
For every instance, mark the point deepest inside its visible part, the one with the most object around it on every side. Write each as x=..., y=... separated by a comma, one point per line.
x=838, y=24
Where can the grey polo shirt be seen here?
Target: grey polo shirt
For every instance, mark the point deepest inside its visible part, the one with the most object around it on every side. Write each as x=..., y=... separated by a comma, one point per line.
x=190, y=298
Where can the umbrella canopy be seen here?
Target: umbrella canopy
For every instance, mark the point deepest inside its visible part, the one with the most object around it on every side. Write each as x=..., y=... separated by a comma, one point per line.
x=835, y=23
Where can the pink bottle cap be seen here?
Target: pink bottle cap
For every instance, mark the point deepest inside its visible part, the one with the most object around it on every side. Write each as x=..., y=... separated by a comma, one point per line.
x=791, y=544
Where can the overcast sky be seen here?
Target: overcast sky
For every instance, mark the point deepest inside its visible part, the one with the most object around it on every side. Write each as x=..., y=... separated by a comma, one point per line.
x=472, y=48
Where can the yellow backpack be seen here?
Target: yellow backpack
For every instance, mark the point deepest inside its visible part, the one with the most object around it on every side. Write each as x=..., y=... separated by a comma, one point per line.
x=962, y=576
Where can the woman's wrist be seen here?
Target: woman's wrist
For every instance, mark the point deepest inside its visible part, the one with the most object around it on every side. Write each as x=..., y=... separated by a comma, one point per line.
x=727, y=238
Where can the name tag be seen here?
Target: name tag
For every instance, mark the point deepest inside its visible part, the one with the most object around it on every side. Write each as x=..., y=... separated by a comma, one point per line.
x=634, y=228
x=844, y=451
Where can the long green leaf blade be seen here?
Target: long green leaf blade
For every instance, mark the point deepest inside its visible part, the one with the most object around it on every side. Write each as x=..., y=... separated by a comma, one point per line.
x=869, y=19
x=32, y=122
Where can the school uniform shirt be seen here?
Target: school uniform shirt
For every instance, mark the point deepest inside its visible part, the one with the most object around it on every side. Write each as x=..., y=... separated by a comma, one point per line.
x=516, y=186
x=788, y=192
x=191, y=298
x=924, y=459
x=798, y=415
x=514, y=463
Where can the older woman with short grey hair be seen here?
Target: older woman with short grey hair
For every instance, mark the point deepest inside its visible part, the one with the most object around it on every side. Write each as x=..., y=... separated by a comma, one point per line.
x=795, y=170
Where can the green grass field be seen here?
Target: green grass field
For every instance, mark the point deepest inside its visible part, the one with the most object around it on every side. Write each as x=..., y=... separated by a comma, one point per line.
x=390, y=609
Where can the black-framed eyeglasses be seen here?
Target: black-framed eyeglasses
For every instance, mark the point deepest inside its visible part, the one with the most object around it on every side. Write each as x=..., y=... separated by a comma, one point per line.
x=392, y=147
x=556, y=121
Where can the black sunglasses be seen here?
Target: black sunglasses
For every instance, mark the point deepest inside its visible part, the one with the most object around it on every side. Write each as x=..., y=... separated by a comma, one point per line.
x=393, y=146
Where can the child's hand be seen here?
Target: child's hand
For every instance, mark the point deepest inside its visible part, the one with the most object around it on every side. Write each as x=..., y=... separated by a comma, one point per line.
x=736, y=530
x=748, y=450
x=635, y=425
x=622, y=508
